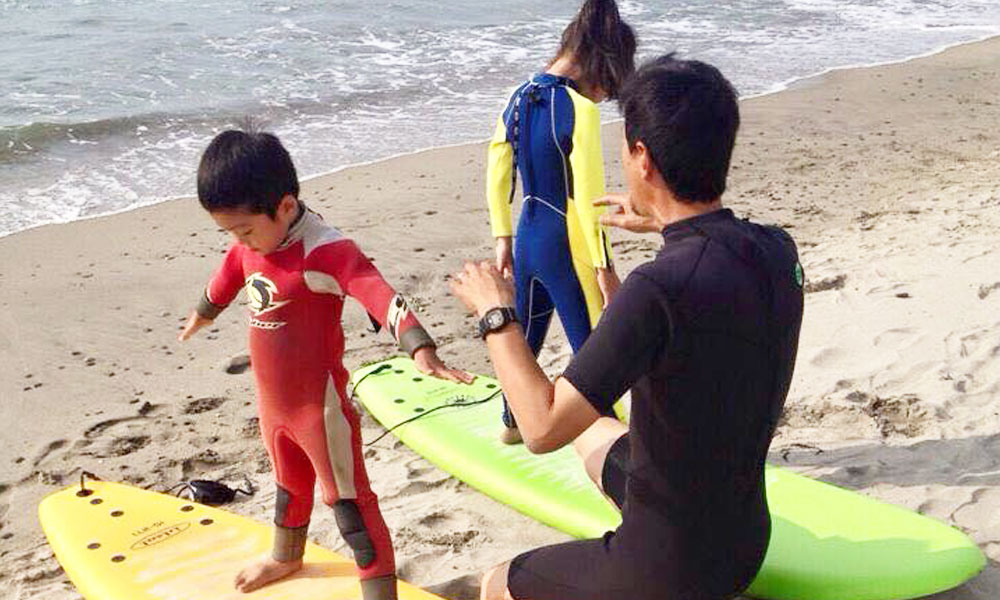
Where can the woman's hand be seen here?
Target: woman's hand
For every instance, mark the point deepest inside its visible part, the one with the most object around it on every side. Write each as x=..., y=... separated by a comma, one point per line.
x=505, y=256
x=625, y=217
x=481, y=286
x=427, y=361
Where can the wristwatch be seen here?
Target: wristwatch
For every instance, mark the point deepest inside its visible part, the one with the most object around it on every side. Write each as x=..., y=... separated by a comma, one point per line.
x=496, y=319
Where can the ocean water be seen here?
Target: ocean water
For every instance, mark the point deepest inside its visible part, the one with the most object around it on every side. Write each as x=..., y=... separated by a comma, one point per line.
x=105, y=105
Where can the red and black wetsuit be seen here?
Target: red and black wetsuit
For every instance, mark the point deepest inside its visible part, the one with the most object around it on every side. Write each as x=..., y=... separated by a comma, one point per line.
x=296, y=297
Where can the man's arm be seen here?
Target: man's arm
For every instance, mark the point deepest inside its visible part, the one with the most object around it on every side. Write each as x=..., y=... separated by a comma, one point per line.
x=548, y=415
x=624, y=347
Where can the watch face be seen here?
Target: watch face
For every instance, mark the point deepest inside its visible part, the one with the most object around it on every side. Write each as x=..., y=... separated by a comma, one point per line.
x=494, y=319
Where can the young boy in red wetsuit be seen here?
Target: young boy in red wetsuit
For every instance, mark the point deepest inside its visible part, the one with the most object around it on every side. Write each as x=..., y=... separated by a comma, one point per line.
x=297, y=270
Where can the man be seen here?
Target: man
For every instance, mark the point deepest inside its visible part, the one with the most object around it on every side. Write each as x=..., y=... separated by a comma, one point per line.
x=704, y=335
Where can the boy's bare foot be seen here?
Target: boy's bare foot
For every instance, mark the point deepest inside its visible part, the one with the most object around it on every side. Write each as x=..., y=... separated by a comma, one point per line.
x=264, y=572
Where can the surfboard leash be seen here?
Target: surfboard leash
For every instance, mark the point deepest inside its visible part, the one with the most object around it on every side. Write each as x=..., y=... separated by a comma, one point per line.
x=379, y=369
x=461, y=402
x=83, y=483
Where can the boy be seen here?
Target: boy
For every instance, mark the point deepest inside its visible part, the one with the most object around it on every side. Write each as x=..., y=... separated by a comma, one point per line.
x=296, y=271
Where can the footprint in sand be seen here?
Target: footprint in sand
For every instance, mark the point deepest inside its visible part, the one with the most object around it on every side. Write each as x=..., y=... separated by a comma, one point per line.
x=460, y=588
x=205, y=458
x=434, y=519
x=417, y=467
x=894, y=337
x=827, y=283
x=123, y=446
x=973, y=360
x=116, y=446
x=898, y=415
x=98, y=428
x=986, y=290
x=250, y=428
x=454, y=539
x=419, y=487
x=824, y=414
x=828, y=357
x=237, y=364
x=201, y=405
x=48, y=450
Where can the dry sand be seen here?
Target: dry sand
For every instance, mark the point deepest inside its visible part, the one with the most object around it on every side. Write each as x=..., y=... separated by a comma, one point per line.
x=886, y=176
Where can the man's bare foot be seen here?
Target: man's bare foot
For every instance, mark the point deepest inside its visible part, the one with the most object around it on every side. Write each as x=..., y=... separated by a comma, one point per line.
x=264, y=572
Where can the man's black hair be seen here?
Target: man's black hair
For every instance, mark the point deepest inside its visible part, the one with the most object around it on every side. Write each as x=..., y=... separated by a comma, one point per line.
x=246, y=170
x=686, y=114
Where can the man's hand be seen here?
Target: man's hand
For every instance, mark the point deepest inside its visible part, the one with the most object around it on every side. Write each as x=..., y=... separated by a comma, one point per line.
x=608, y=282
x=625, y=217
x=427, y=361
x=505, y=256
x=194, y=323
x=481, y=286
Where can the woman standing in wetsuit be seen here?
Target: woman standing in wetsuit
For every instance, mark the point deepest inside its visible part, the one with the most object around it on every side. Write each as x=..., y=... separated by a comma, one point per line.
x=705, y=335
x=550, y=134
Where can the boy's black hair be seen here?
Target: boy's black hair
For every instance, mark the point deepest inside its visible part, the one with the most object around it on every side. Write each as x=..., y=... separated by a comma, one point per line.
x=686, y=114
x=602, y=44
x=246, y=170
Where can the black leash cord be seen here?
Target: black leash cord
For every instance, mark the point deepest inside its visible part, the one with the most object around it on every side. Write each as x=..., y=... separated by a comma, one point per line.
x=456, y=404
x=83, y=480
x=378, y=369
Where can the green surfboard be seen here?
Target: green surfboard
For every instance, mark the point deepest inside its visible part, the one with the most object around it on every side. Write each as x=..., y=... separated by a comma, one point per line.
x=827, y=543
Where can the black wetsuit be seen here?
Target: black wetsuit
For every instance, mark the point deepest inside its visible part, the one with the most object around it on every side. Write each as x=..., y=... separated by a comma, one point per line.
x=705, y=335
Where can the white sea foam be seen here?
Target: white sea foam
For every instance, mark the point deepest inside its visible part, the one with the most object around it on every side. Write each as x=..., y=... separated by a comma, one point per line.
x=119, y=120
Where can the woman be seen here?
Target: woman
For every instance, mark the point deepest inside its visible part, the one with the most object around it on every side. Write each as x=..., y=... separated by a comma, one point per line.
x=550, y=134
x=704, y=335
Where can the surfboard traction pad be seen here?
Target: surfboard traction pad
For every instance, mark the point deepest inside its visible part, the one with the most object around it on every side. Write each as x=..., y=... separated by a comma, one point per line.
x=120, y=542
x=827, y=543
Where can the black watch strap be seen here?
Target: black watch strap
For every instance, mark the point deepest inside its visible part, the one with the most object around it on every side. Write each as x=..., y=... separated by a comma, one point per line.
x=496, y=319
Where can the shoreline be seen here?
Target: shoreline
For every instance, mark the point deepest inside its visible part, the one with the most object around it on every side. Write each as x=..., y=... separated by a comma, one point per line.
x=804, y=80
x=776, y=88
x=885, y=176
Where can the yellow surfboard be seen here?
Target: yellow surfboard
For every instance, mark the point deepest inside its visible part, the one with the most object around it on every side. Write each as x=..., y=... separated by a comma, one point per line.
x=119, y=542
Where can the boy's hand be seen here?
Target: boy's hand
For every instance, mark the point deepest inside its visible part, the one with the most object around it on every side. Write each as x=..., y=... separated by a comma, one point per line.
x=609, y=283
x=427, y=361
x=505, y=257
x=625, y=217
x=194, y=323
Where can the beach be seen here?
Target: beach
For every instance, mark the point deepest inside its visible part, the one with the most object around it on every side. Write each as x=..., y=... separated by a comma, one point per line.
x=886, y=177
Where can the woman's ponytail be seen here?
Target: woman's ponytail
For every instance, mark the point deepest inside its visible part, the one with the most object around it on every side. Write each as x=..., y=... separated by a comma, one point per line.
x=603, y=46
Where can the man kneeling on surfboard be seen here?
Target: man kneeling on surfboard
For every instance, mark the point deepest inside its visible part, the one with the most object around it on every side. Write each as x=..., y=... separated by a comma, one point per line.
x=704, y=335
x=297, y=271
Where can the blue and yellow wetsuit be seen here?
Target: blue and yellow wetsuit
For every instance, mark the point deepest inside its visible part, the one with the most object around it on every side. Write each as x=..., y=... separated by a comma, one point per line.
x=551, y=135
